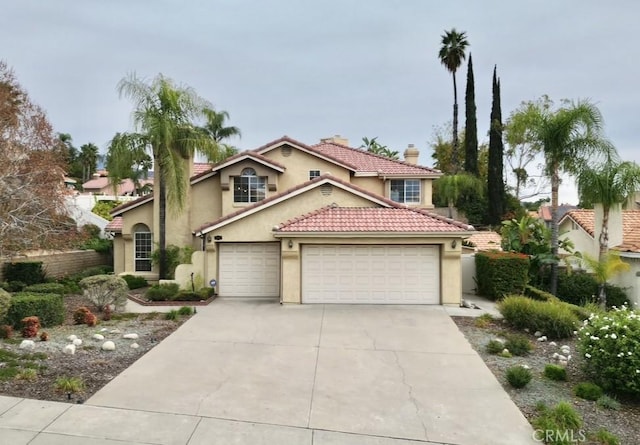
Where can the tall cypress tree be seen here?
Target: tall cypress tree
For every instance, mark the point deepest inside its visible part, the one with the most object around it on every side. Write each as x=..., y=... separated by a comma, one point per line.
x=495, y=181
x=471, y=127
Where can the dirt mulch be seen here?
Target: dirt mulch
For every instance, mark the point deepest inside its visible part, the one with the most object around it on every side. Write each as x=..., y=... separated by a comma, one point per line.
x=624, y=422
x=90, y=363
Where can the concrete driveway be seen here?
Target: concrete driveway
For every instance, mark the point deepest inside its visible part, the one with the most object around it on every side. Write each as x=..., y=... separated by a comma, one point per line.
x=259, y=372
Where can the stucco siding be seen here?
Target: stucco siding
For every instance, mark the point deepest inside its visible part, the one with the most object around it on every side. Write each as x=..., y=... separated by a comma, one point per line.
x=582, y=241
x=206, y=204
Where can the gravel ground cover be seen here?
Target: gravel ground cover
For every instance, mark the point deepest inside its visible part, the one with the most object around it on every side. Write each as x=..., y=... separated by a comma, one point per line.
x=94, y=366
x=625, y=422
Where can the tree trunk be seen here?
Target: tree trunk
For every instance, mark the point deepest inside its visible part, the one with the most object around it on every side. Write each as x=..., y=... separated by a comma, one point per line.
x=162, y=226
x=602, y=296
x=454, y=145
x=604, y=234
x=555, y=185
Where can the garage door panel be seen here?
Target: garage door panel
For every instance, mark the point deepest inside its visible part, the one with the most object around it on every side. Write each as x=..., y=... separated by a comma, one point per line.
x=249, y=270
x=397, y=274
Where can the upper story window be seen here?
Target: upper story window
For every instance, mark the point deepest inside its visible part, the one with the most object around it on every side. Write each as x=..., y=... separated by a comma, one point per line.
x=143, y=244
x=406, y=191
x=248, y=187
x=314, y=174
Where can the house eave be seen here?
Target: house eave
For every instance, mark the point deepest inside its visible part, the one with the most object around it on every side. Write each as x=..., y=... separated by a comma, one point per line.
x=382, y=234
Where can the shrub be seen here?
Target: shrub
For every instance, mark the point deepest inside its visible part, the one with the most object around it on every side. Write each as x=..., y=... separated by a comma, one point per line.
x=185, y=310
x=580, y=288
x=538, y=294
x=6, y=331
x=30, y=326
x=46, y=288
x=162, y=292
x=495, y=347
x=616, y=296
x=27, y=374
x=588, y=391
x=608, y=402
x=14, y=286
x=555, y=320
x=501, y=273
x=185, y=295
x=69, y=384
x=105, y=290
x=135, y=282
x=5, y=303
x=604, y=437
x=96, y=270
x=80, y=315
x=174, y=257
x=610, y=343
x=207, y=292
x=48, y=307
x=555, y=372
x=106, y=313
x=100, y=245
x=29, y=272
x=171, y=315
x=483, y=321
x=90, y=320
x=558, y=425
x=518, y=344
x=44, y=336
x=581, y=312
x=518, y=376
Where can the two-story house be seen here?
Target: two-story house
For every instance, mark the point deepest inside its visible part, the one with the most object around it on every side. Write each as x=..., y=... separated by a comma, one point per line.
x=321, y=223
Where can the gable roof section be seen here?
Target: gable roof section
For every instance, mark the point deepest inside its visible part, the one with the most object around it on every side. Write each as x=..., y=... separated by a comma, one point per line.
x=335, y=219
x=287, y=194
x=286, y=140
x=366, y=162
x=115, y=225
x=485, y=241
x=131, y=204
x=585, y=218
x=254, y=156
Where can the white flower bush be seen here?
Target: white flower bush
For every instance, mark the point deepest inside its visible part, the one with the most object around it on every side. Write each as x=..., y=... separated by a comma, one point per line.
x=610, y=344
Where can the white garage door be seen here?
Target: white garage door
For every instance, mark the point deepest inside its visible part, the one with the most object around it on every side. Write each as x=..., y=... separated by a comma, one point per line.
x=371, y=274
x=249, y=270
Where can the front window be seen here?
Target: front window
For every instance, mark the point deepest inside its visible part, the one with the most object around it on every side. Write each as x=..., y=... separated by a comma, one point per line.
x=143, y=243
x=249, y=187
x=405, y=190
x=314, y=174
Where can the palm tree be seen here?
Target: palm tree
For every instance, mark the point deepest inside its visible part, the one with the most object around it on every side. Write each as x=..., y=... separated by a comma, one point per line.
x=373, y=146
x=163, y=117
x=452, y=53
x=603, y=269
x=609, y=184
x=128, y=157
x=569, y=138
x=214, y=128
x=452, y=187
x=88, y=157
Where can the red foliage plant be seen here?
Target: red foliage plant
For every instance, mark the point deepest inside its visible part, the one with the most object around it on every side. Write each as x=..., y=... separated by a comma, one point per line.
x=31, y=326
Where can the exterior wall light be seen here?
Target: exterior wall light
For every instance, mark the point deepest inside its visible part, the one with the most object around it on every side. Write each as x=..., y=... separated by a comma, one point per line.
x=454, y=243
x=290, y=244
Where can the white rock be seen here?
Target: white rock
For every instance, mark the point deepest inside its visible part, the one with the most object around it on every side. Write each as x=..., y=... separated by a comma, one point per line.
x=525, y=366
x=27, y=344
x=543, y=338
x=108, y=346
x=562, y=363
x=130, y=336
x=568, y=357
x=104, y=330
x=69, y=349
x=115, y=331
x=526, y=329
x=501, y=340
x=505, y=351
x=553, y=343
x=537, y=333
x=77, y=342
x=561, y=358
x=134, y=345
x=72, y=337
x=555, y=355
x=98, y=337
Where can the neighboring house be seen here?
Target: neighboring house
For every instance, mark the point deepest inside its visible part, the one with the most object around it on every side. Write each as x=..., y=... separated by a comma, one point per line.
x=101, y=185
x=583, y=228
x=544, y=213
x=321, y=223
x=484, y=241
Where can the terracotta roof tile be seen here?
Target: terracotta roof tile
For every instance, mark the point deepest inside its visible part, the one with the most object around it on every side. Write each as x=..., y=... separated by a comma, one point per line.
x=486, y=241
x=141, y=200
x=201, y=167
x=369, y=162
x=115, y=225
x=630, y=227
x=370, y=219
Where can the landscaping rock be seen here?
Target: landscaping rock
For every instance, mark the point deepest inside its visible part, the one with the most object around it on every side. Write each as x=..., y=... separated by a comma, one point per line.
x=77, y=342
x=134, y=345
x=69, y=349
x=108, y=346
x=98, y=337
x=538, y=334
x=72, y=337
x=115, y=331
x=132, y=336
x=543, y=338
x=28, y=344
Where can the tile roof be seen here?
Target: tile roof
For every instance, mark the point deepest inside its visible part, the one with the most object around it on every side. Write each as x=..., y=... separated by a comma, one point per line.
x=130, y=204
x=201, y=167
x=115, y=225
x=484, y=241
x=371, y=163
x=371, y=219
x=630, y=227
x=545, y=211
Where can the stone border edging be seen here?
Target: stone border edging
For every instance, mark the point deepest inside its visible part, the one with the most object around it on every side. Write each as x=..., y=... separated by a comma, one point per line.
x=143, y=302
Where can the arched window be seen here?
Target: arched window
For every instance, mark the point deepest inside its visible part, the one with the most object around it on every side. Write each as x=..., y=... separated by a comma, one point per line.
x=143, y=245
x=248, y=187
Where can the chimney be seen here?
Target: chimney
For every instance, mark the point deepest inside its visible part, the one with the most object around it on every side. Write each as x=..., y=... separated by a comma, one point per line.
x=337, y=139
x=411, y=155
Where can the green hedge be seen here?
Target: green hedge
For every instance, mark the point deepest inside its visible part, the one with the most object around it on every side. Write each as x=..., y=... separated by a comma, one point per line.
x=134, y=281
x=538, y=294
x=580, y=288
x=29, y=272
x=162, y=292
x=46, y=288
x=501, y=273
x=49, y=308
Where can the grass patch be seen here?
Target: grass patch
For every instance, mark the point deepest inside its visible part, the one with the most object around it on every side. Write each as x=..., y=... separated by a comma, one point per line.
x=518, y=376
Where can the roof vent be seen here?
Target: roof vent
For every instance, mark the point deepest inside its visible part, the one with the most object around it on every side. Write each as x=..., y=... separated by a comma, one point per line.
x=286, y=151
x=326, y=189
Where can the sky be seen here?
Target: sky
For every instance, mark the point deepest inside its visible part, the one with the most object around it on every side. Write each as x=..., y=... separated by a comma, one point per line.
x=314, y=69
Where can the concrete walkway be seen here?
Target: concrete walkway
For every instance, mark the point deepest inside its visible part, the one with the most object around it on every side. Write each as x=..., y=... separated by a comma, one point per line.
x=262, y=373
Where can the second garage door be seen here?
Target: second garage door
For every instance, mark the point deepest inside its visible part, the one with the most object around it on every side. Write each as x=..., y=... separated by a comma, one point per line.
x=249, y=270
x=371, y=274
